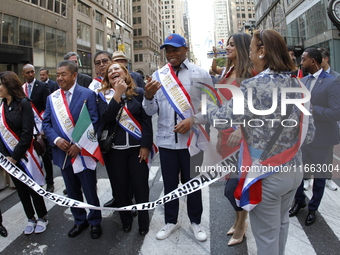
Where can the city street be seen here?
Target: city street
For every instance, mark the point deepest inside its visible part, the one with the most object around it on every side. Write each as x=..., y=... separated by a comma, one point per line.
x=321, y=238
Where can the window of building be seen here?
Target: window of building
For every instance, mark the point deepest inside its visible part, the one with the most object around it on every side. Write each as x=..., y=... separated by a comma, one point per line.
x=99, y=17
x=25, y=33
x=61, y=41
x=249, y=8
x=43, y=3
x=39, y=36
x=237, y=8
x=50, y=38
x=83, y=8
x=109, y=23
x=136, y=57
x=99, y=40
x=242, y=8
x=250, y=15
x=83, y=34
x=243, y=15
x=10, y=29
x=50, y=5
x=140, y=44
x=238, y=15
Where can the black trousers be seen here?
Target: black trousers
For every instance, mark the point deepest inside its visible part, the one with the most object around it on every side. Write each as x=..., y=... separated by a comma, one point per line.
x=125, y=171
x=27, y=195
x=47, y=160
x=173, y=164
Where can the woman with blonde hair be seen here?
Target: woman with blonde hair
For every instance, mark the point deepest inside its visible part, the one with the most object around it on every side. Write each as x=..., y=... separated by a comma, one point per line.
x=268, y=194
x=120, y=107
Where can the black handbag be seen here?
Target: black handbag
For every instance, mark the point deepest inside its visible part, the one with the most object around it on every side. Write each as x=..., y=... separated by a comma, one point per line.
x=39, y=143
x=107, y=140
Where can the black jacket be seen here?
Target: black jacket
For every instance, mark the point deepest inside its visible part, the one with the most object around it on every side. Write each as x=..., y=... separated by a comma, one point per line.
x=39, y=95
x=108, y=114
x=20, y=119
x=84, y=80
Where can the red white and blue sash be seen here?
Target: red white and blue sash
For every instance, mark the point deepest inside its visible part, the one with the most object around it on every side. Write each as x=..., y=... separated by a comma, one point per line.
x=249, y=190
x=38, y=117
x=65, y=122
x=129, y=123
x=179, y=99
x=31, y=161
x=96, y=85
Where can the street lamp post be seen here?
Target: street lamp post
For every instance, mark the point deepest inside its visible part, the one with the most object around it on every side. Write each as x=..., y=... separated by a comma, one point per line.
x=118, y=38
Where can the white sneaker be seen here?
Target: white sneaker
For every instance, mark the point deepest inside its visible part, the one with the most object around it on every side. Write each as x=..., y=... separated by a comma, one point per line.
x=306, y=184
x=30, y=227
x=199, y=233
x=331, y=185
x=41, y=226
x=167, y=230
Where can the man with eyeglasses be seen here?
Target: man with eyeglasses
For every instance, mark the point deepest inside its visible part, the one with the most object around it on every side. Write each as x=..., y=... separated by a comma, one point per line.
x=82, y=79
x=102, y=59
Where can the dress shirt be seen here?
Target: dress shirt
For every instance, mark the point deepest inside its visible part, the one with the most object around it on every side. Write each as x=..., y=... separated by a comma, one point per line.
x=189, y=75
x=316, y=76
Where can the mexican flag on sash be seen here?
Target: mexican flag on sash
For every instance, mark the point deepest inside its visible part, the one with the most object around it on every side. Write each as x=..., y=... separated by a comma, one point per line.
x=84, y=135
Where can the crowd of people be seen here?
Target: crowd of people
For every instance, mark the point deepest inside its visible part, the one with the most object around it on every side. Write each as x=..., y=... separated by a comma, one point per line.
x=121, y=103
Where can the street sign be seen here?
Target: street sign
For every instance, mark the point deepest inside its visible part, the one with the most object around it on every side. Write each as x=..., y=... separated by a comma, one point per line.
x=220, y=54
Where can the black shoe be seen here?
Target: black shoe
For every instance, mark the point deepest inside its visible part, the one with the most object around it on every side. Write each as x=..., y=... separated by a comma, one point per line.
x=50, y=187
x=96, y=231
x=311, y=218
x=134, y=213
x=111, y=203
x=295, y=209
x=3, y=231
x=65, y=192
x=143, y=232
x=127, y=229
x=77, y=229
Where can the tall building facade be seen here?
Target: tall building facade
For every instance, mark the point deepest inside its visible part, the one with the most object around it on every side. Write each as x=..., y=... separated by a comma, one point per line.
x=222, y=22
x=42, y=31
x=172, y=15
x=147, y=35
x=240, y=13
x=303, y=24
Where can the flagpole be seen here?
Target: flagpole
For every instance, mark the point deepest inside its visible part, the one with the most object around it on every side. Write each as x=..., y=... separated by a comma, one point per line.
x=66, y=156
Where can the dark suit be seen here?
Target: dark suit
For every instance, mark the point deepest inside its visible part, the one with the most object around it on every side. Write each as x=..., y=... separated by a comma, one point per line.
x=84, y=80
x=138, y=78
x=39, y=95
x=53, y=85
x=85, y=180
x=325, y=99
x=335, y=74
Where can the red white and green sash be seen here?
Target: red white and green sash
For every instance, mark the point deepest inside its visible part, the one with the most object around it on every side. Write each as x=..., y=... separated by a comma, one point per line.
x=31, y=161
x=65, y=122
x=38, y=117
x=179, y=99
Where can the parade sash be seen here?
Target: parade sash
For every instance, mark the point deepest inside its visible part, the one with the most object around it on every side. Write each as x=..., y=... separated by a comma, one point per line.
x=175, y=92
x=249, y=190
x=130, y=125
x=65, y=122
x=95, y=85
x=31, y=161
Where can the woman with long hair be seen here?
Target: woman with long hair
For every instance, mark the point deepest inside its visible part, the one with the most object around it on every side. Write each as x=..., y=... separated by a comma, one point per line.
x=119, y=98
x=268, y=192
x=239, y=68
x=17, y=122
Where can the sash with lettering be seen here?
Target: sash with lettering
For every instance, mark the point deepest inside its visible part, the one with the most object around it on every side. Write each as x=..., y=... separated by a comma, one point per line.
x=249, y=190
x=179, y=99
x=62, y=114
x=129, y=123
x=31, y=161
x=38, y=117
x=96, y=84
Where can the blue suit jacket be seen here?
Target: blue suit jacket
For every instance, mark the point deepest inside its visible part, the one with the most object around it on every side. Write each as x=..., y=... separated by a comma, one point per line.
x=325, y=98
x=53, y=85
x=50, y=124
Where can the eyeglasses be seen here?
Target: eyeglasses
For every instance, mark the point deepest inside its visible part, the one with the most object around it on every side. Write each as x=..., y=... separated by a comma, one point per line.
x=104, y=61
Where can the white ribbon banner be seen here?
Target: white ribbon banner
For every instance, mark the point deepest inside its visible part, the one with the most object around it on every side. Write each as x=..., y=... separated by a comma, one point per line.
x=209, y=175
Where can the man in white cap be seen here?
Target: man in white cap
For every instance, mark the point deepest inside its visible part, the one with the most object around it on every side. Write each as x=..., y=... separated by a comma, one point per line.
x=174, y=129
x=119, y=57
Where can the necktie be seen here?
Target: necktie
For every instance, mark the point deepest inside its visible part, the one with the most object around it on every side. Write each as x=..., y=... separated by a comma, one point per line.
x=29, y=86
x=68, y=97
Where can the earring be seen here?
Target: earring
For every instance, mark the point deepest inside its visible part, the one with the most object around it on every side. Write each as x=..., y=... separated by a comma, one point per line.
x=260, y=57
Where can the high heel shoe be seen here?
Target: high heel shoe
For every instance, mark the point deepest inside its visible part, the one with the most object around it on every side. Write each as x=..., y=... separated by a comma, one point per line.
x=231, y=230
x=234, y=241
